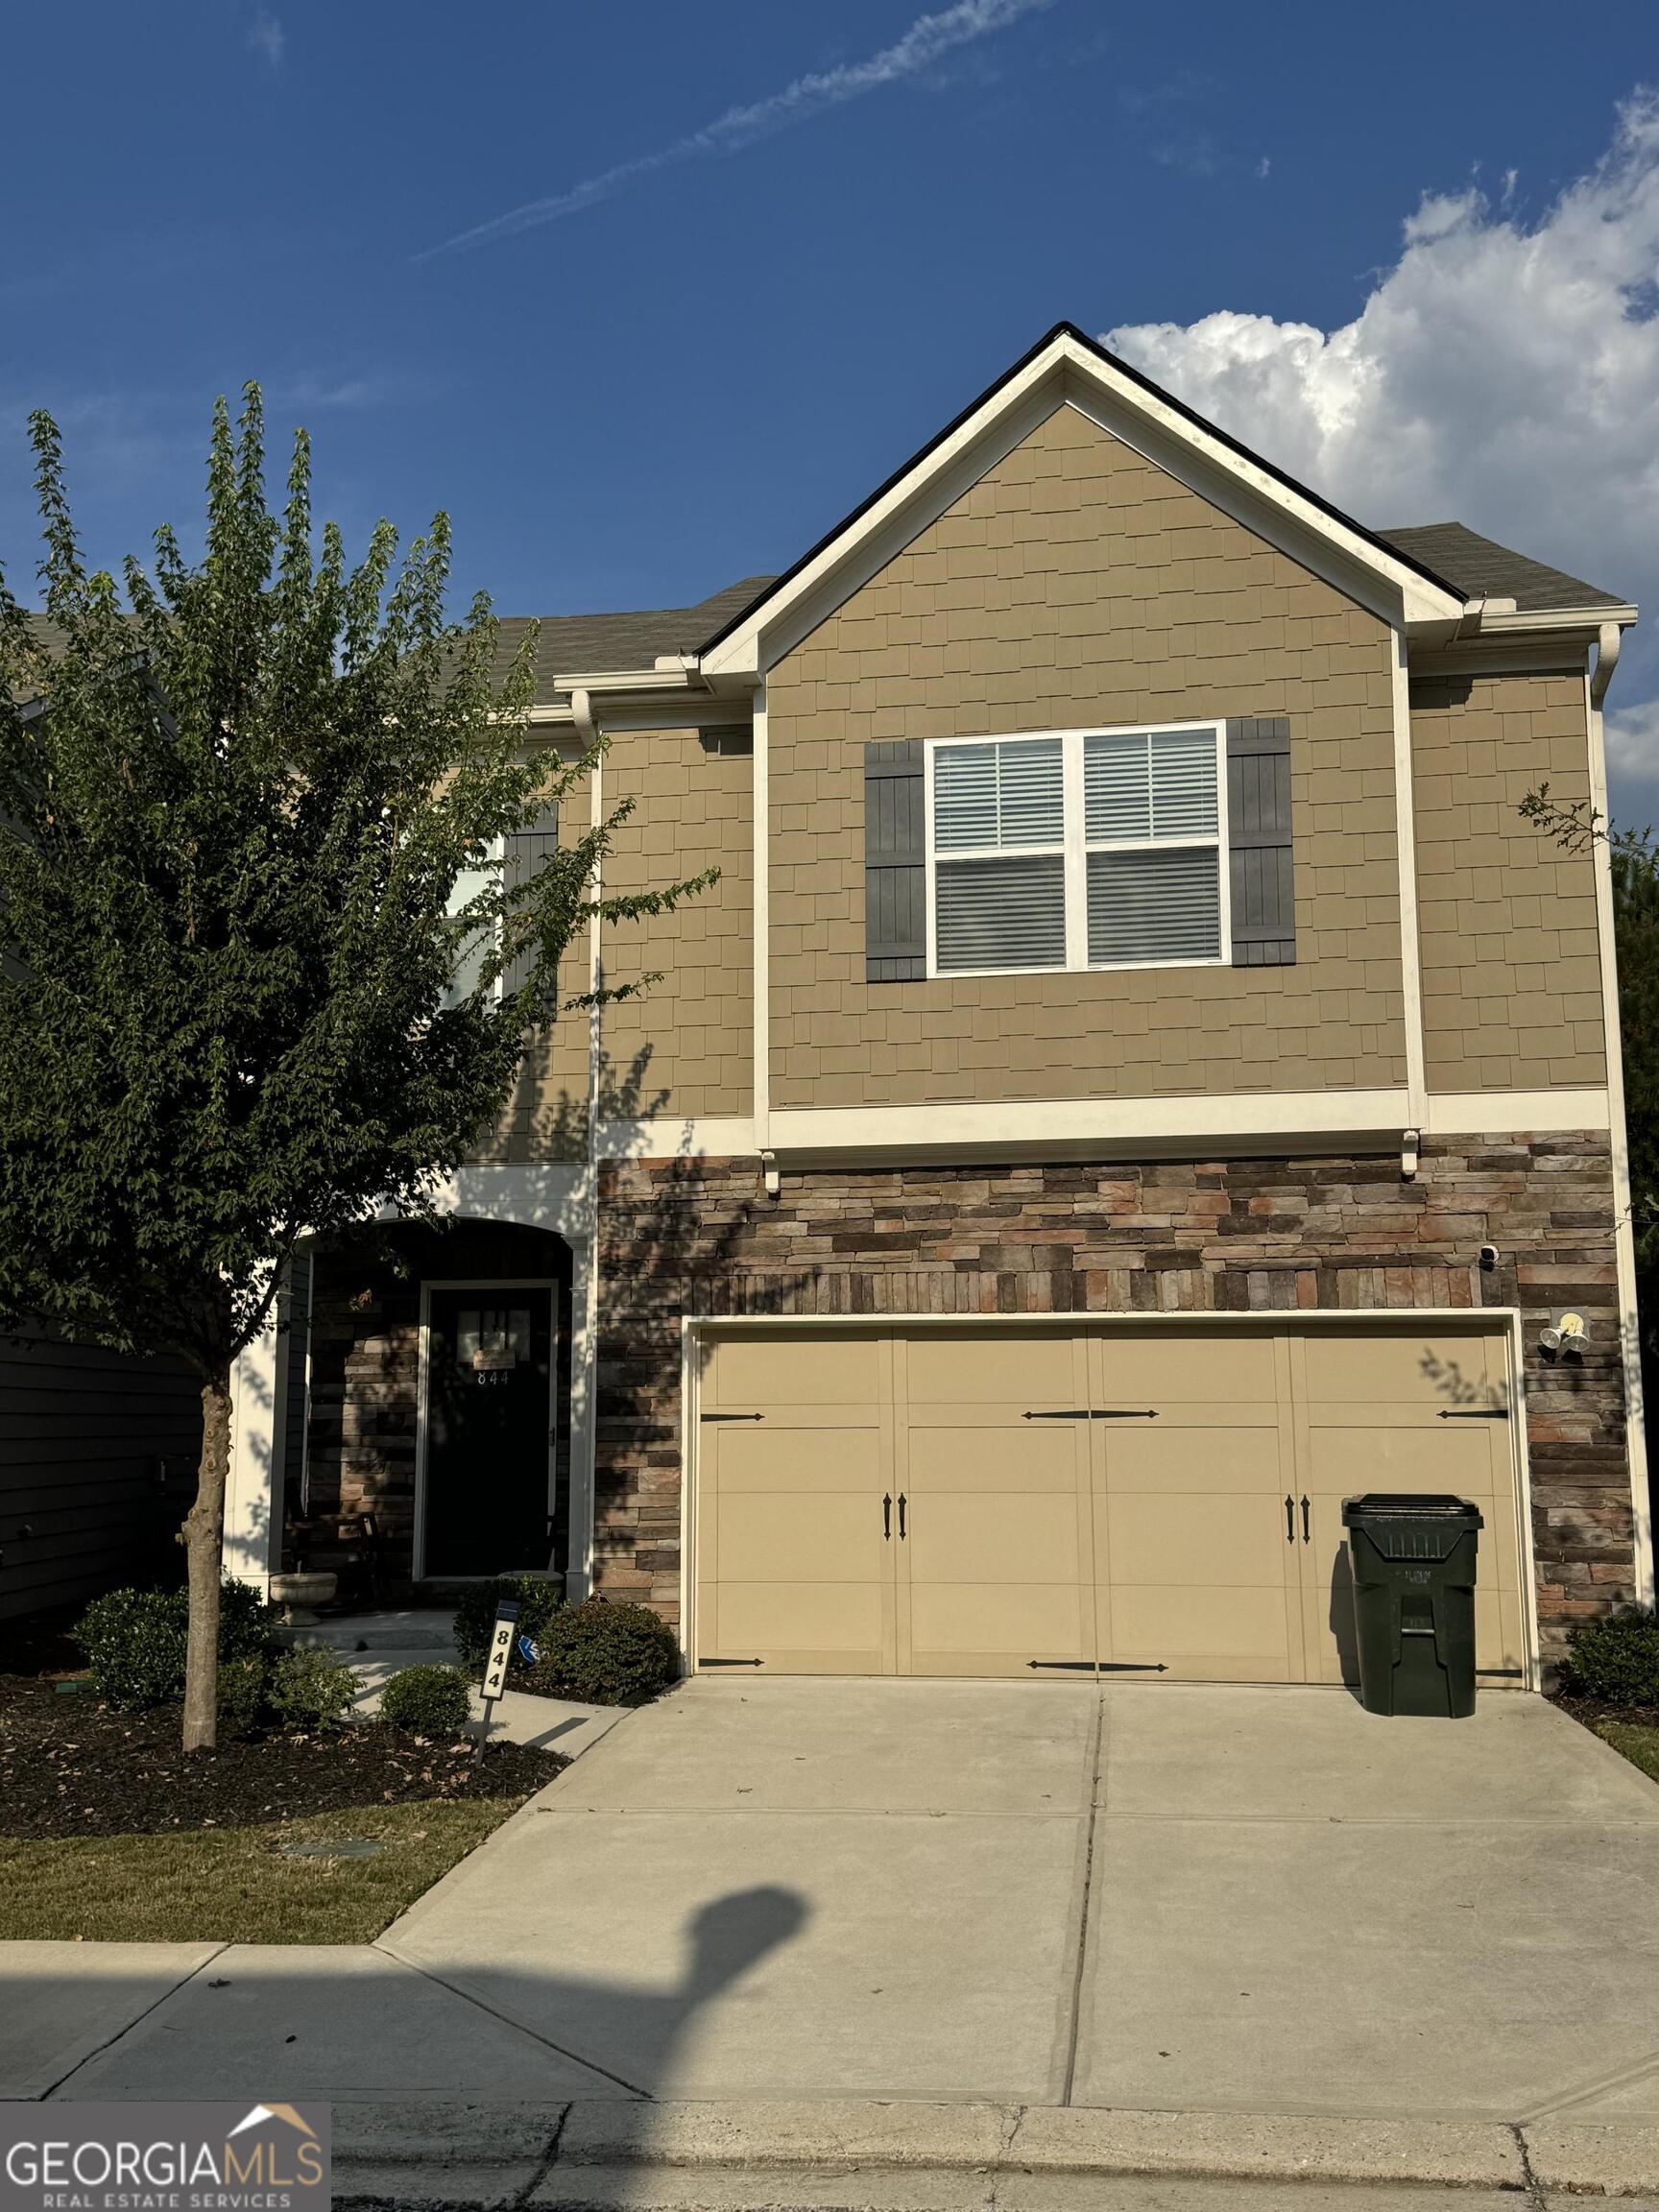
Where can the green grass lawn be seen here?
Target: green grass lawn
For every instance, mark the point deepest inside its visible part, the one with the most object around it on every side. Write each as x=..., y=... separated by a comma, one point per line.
x=1638, y=1743
x=233, y=1885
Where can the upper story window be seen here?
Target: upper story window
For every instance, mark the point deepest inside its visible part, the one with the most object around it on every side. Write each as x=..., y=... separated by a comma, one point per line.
x=1083, y=849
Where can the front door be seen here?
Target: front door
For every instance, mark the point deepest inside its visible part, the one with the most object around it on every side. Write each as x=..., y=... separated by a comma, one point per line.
x=488, y=1490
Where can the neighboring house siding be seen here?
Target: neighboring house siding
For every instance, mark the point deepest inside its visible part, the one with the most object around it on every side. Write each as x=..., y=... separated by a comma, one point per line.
x=546, y=1116
x=1076, y=583
x=1511, y=979
x=685, y=1047
x=97, y=1464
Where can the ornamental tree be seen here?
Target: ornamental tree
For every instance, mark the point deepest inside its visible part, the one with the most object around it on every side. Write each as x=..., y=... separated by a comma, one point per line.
x=262, y=980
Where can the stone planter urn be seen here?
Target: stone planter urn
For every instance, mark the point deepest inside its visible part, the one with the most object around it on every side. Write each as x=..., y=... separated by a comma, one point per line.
x=299, y=1595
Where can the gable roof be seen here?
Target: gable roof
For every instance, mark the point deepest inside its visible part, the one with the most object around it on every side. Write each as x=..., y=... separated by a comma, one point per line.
x=1482, y=568
x=1067, y=347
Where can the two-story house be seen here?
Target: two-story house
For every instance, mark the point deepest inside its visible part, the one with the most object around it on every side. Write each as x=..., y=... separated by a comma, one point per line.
x=1138, y=1080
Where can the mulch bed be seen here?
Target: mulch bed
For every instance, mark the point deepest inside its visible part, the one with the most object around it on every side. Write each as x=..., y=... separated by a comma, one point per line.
x=71, y=1767
x=1589, y=1709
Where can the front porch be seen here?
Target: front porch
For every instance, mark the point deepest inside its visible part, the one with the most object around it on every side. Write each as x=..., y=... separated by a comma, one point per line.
x=417, y=1417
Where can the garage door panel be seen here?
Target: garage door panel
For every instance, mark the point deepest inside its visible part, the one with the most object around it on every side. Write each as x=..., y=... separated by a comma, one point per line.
x=1190, y=1367
x=954, y=1457
x=977, y=1368
x=1231, y=1458
x=1196, y=1538
x=828, y=1371
x=1354, y=1455
x=994, y=1626
x=1405, y=1368
x=1023, y=1537
x=810, y=1538
x=796, y=1459
x=775, y=1618
x=1247, y=1626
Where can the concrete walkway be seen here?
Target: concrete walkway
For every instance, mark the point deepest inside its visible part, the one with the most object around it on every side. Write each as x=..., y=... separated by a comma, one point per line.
x=1233, y=1901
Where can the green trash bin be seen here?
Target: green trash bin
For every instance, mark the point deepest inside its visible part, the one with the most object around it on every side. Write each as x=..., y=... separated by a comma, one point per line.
x=1412, y=1560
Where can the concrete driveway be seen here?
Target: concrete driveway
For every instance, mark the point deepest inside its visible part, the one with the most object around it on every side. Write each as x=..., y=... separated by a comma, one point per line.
x=1147, y=1896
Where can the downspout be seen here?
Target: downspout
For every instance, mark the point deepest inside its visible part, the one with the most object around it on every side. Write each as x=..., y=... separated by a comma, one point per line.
x=1609, y=641
x=581, y=1573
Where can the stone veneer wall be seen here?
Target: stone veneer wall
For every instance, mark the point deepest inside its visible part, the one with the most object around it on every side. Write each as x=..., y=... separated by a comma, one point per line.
x=1251, y=1236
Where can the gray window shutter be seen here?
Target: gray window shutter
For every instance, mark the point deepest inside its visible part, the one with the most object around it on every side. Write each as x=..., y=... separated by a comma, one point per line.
x=894, y=863
x=1258, y=841
x=526, y=852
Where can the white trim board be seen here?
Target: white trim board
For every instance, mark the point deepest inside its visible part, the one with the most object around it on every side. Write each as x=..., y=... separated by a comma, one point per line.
x=1473, y=1320
x=1248, y=1124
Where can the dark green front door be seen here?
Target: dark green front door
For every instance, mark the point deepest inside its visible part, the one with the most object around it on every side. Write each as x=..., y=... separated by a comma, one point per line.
x=489, y=1430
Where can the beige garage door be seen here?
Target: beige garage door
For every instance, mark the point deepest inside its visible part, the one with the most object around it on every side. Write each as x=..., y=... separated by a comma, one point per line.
x=1161, y=1500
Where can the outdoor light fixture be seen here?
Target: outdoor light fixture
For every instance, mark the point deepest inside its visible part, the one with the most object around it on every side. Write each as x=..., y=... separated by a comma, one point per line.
x=1566, y=1332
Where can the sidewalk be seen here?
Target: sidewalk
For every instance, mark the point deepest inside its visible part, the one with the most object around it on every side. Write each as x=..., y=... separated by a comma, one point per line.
x=917, y=2155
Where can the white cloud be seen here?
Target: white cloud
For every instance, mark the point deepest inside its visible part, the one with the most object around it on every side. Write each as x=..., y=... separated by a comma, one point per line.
x=1504, y=372
x=267, y=38
x=926, y=43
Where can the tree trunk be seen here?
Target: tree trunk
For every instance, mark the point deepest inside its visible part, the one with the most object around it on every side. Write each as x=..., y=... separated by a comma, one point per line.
x=205, y=1548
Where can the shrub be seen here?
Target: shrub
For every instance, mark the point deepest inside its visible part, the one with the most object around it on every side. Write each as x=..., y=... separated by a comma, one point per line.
x=1617, y=1659
x=427, y=1701
x=135, y=1641
x=307, y=1689
x=240, y=1694
x=604, y=1654
x=539, y=1600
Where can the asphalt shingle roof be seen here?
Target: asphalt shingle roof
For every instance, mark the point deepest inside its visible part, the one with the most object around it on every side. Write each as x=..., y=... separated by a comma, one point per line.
x=569, y=644
x=1479, y=566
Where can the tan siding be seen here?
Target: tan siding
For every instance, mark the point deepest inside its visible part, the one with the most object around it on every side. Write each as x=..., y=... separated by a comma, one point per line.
x=685, y=1047
x=1511, y=979
x=1078, y=584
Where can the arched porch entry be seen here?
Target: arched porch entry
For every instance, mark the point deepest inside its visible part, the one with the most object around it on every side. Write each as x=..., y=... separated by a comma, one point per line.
x=419, y=1412
x=436, y=1403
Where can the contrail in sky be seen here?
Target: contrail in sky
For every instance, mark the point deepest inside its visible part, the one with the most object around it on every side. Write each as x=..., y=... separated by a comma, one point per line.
x=928, y=38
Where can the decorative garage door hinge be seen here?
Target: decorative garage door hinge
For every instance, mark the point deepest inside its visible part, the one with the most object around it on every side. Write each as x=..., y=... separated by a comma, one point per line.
x=1102, y=1665
x=731, y=1416
x=731, y=1662
x=1474, y=1413
x=1097, y=1413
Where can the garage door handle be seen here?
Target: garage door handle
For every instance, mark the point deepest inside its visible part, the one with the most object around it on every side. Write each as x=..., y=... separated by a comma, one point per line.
x=902, y=1516
x=1289, y=1519
x=887, y=1517
x=1307, y=1532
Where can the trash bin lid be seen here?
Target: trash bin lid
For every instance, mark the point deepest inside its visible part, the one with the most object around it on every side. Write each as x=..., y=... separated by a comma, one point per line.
x=1393, y=1504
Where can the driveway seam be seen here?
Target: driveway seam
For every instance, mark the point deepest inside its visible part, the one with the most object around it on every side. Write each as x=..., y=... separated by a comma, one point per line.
x=466, y=1996
x=109, y=2044
x=1097, y=1736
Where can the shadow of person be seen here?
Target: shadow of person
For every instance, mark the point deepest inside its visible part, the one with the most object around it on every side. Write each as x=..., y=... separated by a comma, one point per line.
x=735, y=1933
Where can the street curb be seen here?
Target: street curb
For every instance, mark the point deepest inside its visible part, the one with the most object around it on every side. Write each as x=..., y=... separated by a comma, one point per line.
x=496, y=2153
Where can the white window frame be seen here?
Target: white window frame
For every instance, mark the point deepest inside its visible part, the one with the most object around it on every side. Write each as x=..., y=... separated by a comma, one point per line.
x=494, y=864
x=1076, y=849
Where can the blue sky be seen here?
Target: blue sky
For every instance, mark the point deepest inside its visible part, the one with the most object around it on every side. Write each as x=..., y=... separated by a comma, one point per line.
x=769, y=249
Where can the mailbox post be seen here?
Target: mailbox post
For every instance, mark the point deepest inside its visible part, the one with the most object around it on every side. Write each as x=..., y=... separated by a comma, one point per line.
x=495, y=1666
